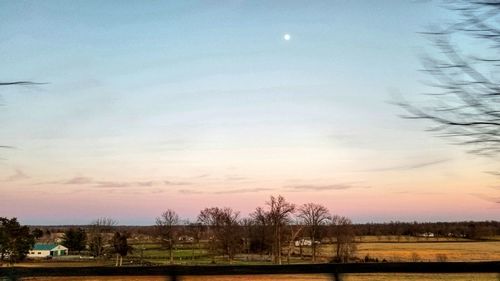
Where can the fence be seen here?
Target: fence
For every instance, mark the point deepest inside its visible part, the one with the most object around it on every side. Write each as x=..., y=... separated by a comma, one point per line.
x=335, y=270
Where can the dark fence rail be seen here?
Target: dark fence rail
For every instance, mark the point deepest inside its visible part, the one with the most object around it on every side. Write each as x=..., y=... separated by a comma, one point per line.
x=336, y=270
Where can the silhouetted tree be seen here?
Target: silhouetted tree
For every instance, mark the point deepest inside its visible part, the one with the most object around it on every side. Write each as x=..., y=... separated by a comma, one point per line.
x=344, y=236
x=261, y=233
x=97, y=231
x=75, y=239
x=195, y=230
x=314, y=216
x=15, y=240
x=165, y=226
x=279, y=215
x=224, y=228
x=37, y=233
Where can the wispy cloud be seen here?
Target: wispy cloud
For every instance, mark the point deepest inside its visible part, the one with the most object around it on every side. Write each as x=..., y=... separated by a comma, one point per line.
x=242, y=190
x=487, y=197
x=312, y=187
x=103, y=184
x=176, y=183
x=19, y=175
x=190, y=191
x=78, y=180
x=118, y=184
x=235, y=178
x=409, y=166
x=493, y=173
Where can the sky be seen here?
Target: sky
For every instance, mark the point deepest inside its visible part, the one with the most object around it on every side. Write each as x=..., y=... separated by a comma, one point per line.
x=183, y=105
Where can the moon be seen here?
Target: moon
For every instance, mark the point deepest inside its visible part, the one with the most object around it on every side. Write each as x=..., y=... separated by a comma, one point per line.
x=287, y=37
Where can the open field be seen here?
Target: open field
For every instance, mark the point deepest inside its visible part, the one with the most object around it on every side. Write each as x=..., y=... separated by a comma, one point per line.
x=350, y=277
x=469, y=251
x=422, y=251
x=391, y=251
x=456, y=251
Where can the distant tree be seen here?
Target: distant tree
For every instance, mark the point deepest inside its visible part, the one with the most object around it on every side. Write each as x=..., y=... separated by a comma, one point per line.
x=165, y=227
x=295, y=230
x=261, y=233
x=37, y=233
x=314, y=217
x=195, y=230
x=75, y=239
x=120, y=247
x=279, y=216
x=223, y=224
x=96, y=235
x=344, y=236
x=15, y=240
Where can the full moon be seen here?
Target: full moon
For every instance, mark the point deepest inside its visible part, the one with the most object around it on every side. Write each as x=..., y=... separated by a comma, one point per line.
x=287, y=37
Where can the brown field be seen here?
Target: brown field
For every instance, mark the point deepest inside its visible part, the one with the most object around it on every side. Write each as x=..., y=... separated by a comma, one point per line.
x=454, y=251
x=426, y=251
x=351, y=277
x=392, y=251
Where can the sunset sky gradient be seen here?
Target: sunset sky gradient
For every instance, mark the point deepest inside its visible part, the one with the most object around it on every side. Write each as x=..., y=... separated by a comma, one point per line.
x=192, y=104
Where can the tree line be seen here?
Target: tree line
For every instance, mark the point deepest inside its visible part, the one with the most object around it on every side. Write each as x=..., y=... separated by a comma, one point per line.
x=269, y=230
x=273, y=230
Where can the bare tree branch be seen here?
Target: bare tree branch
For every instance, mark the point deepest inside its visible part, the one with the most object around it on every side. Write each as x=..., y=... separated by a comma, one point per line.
x=466, y=106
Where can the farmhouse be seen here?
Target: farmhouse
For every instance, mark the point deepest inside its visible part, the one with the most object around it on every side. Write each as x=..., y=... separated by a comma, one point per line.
x=41, y=250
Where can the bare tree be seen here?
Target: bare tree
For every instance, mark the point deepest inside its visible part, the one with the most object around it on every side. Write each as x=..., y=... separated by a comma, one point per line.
x=165, y=226
x=18, y=83
x=295, y=230
x=223, y=224
x=466, y=102
x=195, y=230
x=96, y=235
x=314, y=216
x=261, y=226
x=279, y=215
x=342, y=232
x=21, y=83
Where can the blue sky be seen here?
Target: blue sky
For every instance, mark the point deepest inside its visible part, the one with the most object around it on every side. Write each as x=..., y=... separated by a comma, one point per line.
x=205, y=101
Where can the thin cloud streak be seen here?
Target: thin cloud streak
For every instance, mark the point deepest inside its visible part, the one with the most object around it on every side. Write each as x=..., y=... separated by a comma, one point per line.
x=409, y=166
x=176, y=183
x=190, y=191
x=311, y=187
x=77, y=180
x=487, y=198
x=19, y=175
x=242, y=190
x=103, y=184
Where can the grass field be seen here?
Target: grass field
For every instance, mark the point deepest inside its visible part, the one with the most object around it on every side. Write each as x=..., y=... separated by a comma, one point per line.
x=417, y=248
x=351, y=277
x=456, y=251
x=424, y=251
x=392, y=251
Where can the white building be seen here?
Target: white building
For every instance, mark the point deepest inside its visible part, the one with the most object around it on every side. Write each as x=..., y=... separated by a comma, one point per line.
x=47, y=250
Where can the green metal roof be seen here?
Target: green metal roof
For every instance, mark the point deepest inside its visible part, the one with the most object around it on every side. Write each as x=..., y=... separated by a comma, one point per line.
x=44, y=247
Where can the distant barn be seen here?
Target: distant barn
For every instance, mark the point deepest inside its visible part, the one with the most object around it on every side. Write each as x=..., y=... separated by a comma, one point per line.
x=41, y=250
